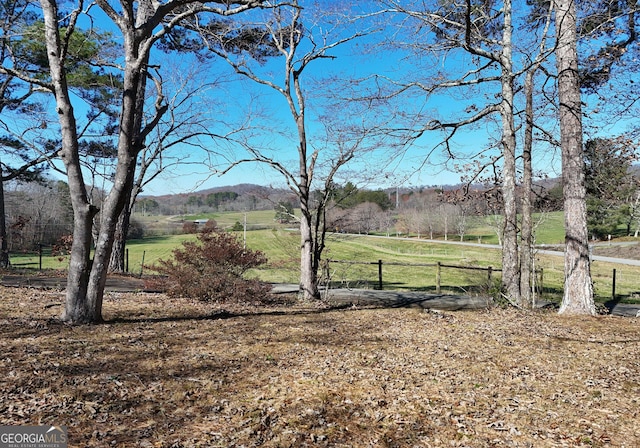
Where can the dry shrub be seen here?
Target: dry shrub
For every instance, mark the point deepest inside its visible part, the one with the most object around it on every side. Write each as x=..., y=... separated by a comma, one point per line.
x=212, y=269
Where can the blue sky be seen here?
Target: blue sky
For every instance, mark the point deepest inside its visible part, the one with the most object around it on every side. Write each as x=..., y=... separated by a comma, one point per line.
x=408, y=170
x=421, y=164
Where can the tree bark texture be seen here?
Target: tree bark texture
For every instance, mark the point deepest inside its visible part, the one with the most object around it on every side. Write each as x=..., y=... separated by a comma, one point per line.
x=78, y=308
x=510, y=264
x=129, y=144
x=578, y=287
x=308, y=273
x=117, y=260
x=4, y=247
x=527, y=274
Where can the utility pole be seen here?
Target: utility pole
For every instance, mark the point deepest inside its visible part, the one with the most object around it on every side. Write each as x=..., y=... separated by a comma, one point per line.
x=244, y=232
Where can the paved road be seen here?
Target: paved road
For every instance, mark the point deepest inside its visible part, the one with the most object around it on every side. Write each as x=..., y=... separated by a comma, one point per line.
x=539, y=250
x=412, y=299
x=615, y=308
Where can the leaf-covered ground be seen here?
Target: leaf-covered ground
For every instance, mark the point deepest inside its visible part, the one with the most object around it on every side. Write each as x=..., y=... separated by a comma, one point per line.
x=178, y=373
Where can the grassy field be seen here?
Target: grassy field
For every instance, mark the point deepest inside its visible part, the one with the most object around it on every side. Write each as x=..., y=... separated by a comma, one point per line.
x=281, y=244
x=549, y=229
x=177, y=373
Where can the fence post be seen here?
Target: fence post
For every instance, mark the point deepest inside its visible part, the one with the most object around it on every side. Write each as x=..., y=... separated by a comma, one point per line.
x=126, y=260
x=437, y=277
x=327, y=272
x=380, y=275
x=613, y=288
x=40, y=256
x=489, y=272
x=541, y=287
x=142, y=264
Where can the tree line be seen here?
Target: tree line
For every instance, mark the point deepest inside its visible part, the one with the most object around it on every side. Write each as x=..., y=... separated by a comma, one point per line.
x=39, y=213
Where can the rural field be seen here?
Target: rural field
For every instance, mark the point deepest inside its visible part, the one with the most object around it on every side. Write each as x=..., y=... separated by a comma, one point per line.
x=179, y=373
x=408, y=263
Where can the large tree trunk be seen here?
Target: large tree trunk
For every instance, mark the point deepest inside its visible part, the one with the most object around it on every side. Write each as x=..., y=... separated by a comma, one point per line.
x=308, y=276
x=510, y=265
x=578, y=287
x=118, y=249
x=86, y=278
x=78, y=309
x=112, y=207
x=129, y=145
x=308, y=272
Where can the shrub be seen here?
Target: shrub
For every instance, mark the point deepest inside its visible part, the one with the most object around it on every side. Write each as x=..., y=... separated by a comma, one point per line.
x=189, y=227
x=212, y=268
x=136, y=230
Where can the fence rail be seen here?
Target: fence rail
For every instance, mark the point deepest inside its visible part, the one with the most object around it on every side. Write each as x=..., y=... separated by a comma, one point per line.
x=437, y=265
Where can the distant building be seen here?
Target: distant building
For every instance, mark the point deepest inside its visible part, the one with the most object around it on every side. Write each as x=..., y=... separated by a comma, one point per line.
x=201, y=222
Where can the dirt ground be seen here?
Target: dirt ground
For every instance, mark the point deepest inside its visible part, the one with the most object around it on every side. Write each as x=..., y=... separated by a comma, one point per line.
x=51, y=279
x=179, y=373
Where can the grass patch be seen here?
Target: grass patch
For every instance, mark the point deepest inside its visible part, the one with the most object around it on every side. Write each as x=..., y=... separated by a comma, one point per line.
x=282, y=249
x=281, y=244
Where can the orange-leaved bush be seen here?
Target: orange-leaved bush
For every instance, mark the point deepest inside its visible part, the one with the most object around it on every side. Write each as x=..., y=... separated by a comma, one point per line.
x=212, y=268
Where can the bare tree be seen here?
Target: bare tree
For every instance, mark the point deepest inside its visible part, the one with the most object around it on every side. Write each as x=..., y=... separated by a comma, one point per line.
x=177, y=102
x=140, y=29
x=578, y=286
x=412, y=220
x=485, y=35
x=320, y=157
x=527, y=267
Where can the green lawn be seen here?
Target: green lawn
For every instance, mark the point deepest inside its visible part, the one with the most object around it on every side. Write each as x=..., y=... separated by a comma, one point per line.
x=355, y=258
x=282, y=249
x=258, y=219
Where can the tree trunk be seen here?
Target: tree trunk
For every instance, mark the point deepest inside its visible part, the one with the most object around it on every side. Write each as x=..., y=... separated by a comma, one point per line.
x=308, y=275
x=4, y=246
x=578, y=287
x=78, y=309
x=86, y=279
x=510, y=267
x=112, y=208
x=129, y=145
x=117, y=260
x=527, y=275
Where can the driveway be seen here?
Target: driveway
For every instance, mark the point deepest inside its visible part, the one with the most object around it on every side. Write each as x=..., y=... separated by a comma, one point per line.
x=388, y=298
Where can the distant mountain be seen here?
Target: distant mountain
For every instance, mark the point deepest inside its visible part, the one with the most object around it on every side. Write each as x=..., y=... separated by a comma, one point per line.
x=240, y=189
x=249, y=197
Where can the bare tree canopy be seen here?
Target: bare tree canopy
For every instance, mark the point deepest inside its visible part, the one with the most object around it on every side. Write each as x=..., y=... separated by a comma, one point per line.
x=327, y=130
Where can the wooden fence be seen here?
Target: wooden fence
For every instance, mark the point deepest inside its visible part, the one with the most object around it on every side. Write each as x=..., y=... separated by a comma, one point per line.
x=438, y=269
